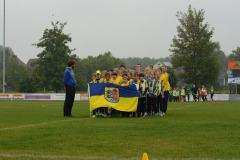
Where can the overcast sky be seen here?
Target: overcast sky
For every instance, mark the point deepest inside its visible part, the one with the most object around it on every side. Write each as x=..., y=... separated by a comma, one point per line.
x=127, y=28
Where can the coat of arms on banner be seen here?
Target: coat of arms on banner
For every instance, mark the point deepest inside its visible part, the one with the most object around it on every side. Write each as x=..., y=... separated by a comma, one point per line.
x=112, y=94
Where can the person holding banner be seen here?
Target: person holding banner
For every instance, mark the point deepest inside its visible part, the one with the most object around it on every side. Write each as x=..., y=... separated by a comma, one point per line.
x=136, y=81
x=103, y=76
x=125, y=82
x=115, y=80
x=94, y=75
x=69, y=82
x=121, y=98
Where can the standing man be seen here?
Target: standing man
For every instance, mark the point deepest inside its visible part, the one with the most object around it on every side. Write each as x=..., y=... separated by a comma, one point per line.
x=195, y=93
x=212, y=92
x=167, y=82
x=70, y=87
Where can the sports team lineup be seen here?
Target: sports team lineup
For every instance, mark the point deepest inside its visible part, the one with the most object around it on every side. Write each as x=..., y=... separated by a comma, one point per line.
x=153, y=88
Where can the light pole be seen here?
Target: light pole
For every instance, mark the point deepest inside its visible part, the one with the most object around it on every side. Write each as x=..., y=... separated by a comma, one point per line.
x=4, y=83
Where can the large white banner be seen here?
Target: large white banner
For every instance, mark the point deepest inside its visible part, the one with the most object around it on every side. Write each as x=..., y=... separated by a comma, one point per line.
x=219, y=97
x=15, y=96
x=233, y=80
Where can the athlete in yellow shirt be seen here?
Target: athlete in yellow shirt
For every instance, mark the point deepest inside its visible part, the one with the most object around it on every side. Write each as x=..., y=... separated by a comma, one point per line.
x=166, y=85
x=114, y=78
x=160, y=94
x=152, y=94
x=143, y=92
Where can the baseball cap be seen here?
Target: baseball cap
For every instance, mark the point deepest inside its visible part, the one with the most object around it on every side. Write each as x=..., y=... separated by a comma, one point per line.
x=98, y=72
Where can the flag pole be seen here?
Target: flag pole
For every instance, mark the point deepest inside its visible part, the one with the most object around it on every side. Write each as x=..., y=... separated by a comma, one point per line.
x=4, y=83
x=89, y=100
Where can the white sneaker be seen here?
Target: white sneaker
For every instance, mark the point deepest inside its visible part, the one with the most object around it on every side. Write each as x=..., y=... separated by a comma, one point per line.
x=164, y=114
x=145, y=114
x=161, y=114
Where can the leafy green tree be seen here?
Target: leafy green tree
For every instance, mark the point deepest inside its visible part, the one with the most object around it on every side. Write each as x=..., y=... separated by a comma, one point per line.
x=221, y=58
x=235, y=55
x=91, y=64
x=193, y=49
x=81, y=82
x=53, y=59
x=27, y=84
x=174, y=78
x=14, y=70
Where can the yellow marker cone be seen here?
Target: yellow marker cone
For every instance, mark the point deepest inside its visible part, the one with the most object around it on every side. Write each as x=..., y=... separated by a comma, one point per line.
x=145, y=156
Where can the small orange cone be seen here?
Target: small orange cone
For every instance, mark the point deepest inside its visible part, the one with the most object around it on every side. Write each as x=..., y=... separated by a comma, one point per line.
x=145, y=156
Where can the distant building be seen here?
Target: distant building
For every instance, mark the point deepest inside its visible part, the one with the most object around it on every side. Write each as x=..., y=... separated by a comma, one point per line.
x=168, y=64
x=20, y=62
x=160, y=64
x=30, y=62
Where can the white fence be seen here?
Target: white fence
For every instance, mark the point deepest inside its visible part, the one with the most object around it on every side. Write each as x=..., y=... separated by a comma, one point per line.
x=84, y=96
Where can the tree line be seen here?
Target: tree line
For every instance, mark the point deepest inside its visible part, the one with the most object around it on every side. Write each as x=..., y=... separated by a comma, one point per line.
x=200, y=59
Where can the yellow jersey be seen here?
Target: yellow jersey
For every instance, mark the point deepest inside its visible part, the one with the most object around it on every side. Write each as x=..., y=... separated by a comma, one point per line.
x=144, y=86
x=116, y=81
x=166, y=81
x=101, y=80
x=105, y=81
x=152, y=87
x=119, y=78
x=125, y=84
x=160, y=85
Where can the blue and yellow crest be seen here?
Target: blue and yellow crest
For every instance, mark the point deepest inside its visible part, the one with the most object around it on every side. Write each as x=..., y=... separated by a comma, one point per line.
x=112, y=94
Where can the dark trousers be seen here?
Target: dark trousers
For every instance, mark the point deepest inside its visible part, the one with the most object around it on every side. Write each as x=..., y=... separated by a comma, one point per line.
x=151, y=104
x=175, y=99
x=170, y=98
x=141, y=106
x=205, y=97
x=159, y=103
x=165, y=101
x=194, y=97
x=212, y=96
x=69, y=99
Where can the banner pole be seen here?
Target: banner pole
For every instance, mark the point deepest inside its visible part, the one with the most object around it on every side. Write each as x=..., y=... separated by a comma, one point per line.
x=89, y=100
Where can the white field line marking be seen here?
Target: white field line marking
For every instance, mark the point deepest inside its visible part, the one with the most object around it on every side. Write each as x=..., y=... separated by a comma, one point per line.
x=40, y=124
x=190, y=106
x=64, y=157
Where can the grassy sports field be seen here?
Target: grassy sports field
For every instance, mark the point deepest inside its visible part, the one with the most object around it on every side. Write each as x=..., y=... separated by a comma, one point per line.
x=37, y=130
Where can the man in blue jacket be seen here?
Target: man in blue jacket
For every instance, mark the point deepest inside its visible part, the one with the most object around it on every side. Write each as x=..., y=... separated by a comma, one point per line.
x=70, y=87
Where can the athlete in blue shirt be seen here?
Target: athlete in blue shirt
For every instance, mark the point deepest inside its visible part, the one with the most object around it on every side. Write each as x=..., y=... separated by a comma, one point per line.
x=70, y=87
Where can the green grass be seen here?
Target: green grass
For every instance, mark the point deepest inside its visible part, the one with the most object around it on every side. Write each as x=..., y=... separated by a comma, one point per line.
x=37, y=130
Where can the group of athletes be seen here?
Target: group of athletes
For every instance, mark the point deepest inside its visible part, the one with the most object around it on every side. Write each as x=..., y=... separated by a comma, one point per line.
x=183, y=94
x=153, y=90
